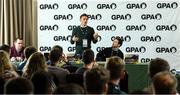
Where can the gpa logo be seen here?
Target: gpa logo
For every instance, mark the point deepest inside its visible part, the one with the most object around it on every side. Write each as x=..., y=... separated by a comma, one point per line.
x=71, y=27
x=98, y=49
x=99, y=38
x=126, y=38
x=166, y=50
x=62, y=38
x=78, y=6
x=145, y=60
x=141, y=49
x=95, y=17
x=71, y=49
x=54, y=6
x=121, y=17
x=63, y=17
x=157, y=16
x=173, y=5
x=106, y=27
x=136, y=6
x=136, y=27
x=49, y=27
x=166, y=27
x=107, y=6
x=44, y=48
x=151, y=38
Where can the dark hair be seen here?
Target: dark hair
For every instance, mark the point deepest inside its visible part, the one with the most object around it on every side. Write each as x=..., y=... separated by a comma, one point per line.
x=95, y=79
x=116, y=66
x=120, y=41
x=28, y=51
x=54, y=55
x=20, y=38
x=5, y=48
x=19, y=86
x=88, y=56
x=58, y=47
x=84, y=14
x=164, y=83
x=42, y=81
x=157, y=65
x=69, y=88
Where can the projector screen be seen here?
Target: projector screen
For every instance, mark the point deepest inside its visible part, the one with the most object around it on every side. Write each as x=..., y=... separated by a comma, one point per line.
x=149, y=28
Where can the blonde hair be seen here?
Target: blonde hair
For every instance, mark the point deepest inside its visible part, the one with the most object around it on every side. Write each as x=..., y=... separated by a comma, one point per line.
x=5, y=63
x=116, y=66
x=34, y=63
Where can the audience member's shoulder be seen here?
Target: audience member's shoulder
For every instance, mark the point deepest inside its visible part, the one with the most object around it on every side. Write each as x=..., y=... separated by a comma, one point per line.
x=58, y=69
x=9, y=74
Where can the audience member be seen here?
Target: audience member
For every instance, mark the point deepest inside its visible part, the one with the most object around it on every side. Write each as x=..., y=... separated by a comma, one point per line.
x=6, y=69
x=18, y=86
x=5, y=48
x=28, y=51
x=70, y=88
x=43, y=82
x=164, y=83
x=111, y=51
x=116, y=66
x=88, y=60
x=156, y=65
x=34, y=63
x=63, y=59
x=96, y=80
x=16, y=52
x=58, y=72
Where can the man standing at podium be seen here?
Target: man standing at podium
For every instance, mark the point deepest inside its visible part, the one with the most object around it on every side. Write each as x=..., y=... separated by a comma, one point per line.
x=83, y=35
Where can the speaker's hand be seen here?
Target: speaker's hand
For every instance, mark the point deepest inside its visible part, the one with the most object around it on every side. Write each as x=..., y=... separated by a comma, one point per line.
x=75, y=38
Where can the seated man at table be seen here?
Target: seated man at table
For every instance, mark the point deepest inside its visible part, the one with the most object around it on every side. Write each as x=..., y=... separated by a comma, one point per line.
x=111, y=51
x=17, y=50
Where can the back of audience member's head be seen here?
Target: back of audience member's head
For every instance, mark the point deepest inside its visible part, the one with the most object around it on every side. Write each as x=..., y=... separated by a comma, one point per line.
x=28, y=51
x=157, y=65
x=5, y=48
x=18, y=86
x=5, y=63
x=34, y=63
x=96, y=80
x=139, y=92
x=88, y=56
x=70, y=88
x=43, y=82
x=57, y=47
x=116, y=66
x=55, y=55
x=164, y=83
x=6, y=69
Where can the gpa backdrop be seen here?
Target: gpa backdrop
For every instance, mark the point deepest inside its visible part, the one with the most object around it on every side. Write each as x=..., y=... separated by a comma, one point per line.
x=149, y=28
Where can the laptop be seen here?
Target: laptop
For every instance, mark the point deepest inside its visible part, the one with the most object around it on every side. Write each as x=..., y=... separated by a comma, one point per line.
x=131, y=58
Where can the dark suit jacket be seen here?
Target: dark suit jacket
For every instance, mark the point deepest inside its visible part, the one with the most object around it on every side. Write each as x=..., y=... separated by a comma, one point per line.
x=108, y=52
